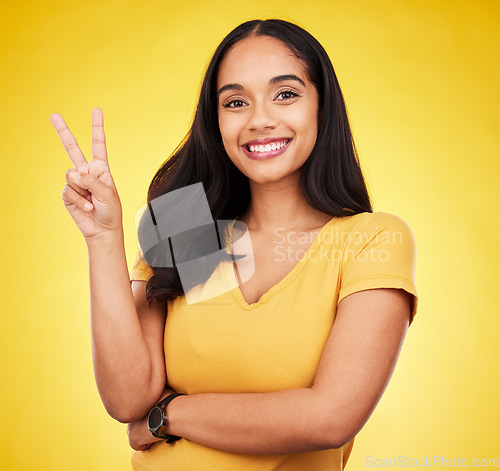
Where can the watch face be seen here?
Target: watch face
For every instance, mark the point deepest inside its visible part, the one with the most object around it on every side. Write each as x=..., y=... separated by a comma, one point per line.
x=155, y=419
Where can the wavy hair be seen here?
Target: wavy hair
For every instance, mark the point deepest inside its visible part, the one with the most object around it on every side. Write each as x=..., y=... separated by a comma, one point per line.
x=331, y=178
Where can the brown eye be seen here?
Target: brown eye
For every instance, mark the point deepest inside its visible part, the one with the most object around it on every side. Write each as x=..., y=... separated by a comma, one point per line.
x=233, y=102
x=288, y=94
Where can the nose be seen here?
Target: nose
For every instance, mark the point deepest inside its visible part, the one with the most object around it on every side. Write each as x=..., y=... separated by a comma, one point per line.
x=262, y=117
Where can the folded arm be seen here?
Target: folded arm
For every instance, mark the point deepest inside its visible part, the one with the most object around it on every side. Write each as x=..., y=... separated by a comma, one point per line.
x=356, y=365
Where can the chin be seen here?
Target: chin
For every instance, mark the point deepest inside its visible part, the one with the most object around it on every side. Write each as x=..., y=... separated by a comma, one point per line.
x=270, y=177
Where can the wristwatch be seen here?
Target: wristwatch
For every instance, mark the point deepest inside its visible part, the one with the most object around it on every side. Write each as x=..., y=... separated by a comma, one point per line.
x=157, y=419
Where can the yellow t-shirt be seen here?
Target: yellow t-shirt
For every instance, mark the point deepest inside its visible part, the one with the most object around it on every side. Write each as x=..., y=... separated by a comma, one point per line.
x=225, y=345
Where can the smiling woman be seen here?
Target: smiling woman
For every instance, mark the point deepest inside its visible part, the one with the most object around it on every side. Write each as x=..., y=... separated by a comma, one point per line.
x=257, y=112
x=282, y=370
x=272, y=144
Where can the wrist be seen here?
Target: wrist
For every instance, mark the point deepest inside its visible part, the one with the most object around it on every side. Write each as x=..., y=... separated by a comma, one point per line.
x=158, y=420
x=174, y=412
x=106, y=239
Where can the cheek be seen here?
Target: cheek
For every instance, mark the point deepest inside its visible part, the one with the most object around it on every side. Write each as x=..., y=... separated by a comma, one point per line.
x=312, y=121
x=303, y=117
x=228, y=130
x=307, y=128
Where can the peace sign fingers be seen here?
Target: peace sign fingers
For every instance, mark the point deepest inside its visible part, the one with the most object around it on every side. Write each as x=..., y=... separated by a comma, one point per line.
x=69, y=142
x=98, y=138
x=90, y=195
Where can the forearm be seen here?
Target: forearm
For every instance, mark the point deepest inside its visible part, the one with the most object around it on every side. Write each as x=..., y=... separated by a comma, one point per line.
x=290, y=421
x=121, y=358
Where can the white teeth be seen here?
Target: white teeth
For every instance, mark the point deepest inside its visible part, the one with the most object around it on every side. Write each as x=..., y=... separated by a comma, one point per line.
x=267, y=147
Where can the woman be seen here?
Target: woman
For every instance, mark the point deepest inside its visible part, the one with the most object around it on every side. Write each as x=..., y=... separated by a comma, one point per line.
x=283, y=368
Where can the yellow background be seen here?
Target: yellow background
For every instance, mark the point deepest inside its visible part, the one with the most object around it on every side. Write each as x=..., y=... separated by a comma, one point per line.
x=420, y=80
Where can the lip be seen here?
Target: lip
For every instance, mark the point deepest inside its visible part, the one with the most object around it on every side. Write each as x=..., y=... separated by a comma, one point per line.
x=265, y=155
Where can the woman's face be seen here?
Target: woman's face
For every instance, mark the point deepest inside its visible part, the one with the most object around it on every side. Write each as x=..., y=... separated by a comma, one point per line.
x=267, y=108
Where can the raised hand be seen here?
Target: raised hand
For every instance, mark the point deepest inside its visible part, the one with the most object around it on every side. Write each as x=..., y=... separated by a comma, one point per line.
x=90, y=195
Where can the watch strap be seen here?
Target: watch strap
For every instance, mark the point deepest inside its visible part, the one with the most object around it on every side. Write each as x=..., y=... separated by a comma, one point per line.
x=164, y=402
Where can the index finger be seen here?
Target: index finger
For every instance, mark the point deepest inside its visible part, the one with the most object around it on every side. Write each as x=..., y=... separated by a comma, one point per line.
x=69, y=142
x=98, y=137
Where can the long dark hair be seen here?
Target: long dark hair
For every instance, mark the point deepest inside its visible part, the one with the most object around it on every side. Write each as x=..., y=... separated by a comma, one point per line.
x=331, y=179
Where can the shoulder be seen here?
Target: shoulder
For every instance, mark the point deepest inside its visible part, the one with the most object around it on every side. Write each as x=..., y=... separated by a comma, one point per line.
x=379, y=251
x=377, y=218
x=378, y=231
x=369, y=225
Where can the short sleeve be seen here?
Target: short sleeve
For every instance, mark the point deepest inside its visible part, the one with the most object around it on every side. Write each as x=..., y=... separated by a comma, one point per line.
x=140, y=269
x=380, y=252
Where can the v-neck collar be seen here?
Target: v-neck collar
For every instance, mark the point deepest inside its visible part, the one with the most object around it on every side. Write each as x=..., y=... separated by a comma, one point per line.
x=230, y=279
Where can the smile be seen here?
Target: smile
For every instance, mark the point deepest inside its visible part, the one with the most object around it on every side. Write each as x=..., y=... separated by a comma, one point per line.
x=267, y=150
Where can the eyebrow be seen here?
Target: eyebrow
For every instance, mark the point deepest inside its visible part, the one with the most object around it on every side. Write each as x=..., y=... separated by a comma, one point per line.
x=274, y=80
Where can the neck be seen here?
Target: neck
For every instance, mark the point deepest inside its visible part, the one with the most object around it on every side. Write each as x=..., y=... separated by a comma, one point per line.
x=280, y=205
